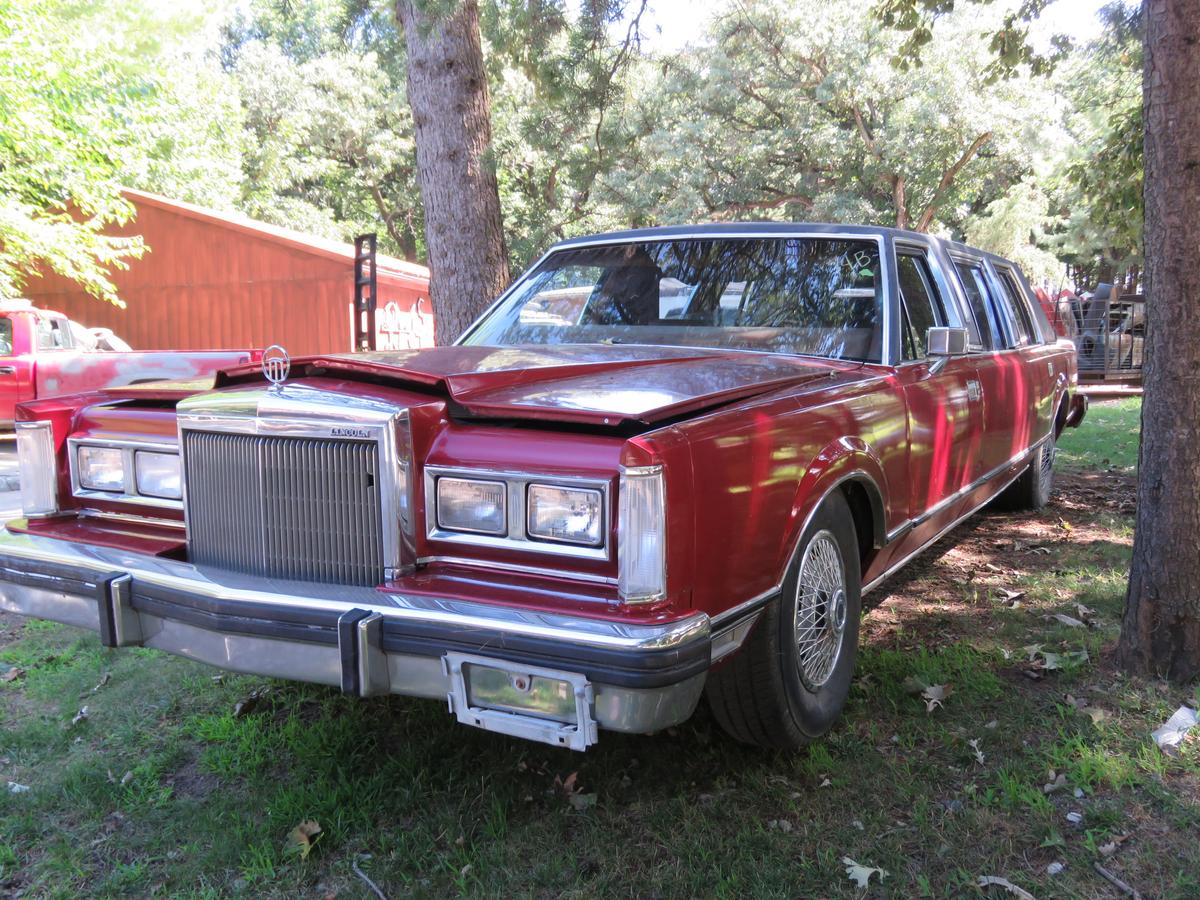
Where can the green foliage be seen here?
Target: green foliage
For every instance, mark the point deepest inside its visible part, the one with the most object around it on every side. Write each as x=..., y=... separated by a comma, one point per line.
x=1100, y=190
x=68, y=110
x=795, y=111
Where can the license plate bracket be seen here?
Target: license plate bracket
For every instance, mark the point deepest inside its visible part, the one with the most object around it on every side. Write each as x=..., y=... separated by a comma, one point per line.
x=479, y=698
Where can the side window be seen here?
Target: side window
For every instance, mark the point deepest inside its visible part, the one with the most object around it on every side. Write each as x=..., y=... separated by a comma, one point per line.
x=1027, y=332
x=6, y=336
x=51, y=335
x=920, y=305
x=975, y=284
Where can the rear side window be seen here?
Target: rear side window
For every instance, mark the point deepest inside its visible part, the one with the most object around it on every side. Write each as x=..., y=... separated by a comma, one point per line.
x=6, y=336
x=978, y=295
x=920, y=305
x=1017, y=300
x=52, y=334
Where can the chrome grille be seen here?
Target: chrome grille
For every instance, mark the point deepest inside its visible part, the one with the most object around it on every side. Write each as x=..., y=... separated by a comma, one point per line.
x=284, y=507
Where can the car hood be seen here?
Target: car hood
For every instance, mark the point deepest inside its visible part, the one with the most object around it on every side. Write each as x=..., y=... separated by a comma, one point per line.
x=595, y=384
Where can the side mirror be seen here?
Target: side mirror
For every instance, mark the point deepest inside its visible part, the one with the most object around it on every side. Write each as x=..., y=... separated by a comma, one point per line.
x=946, y=342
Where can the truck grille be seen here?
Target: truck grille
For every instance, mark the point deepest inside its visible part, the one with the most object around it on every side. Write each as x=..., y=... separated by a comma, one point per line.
x=297, y=508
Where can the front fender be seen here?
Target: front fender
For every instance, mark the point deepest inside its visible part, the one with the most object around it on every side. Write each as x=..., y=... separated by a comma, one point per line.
x=845, y=460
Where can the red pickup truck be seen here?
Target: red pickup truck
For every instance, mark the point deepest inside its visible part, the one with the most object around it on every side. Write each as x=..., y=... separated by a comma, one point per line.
x=40, y=357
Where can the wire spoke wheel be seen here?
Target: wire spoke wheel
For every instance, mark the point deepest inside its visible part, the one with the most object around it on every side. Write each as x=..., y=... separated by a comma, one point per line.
x=820, y=610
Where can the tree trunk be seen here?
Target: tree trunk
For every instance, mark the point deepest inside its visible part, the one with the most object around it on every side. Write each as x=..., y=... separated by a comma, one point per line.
x=1160, y=634
x=448, y=93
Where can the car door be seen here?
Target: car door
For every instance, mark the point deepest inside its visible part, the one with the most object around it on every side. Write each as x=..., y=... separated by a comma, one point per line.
x=1032, y=351
x=944, y=414
x=1003, y=379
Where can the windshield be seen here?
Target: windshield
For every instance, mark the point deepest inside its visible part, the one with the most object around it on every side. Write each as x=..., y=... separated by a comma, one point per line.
x=808, y=296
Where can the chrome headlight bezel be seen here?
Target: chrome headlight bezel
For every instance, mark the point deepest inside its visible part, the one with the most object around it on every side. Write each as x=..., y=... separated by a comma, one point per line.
x=516, y=535
x=128, y=492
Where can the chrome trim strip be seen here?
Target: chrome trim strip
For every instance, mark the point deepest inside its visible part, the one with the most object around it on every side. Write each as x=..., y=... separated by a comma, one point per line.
x=517, y=537
x=515, y=567
x=128, y=447
x=465, y=614
x=130, y=518
x=722, y=619
x=893, y=568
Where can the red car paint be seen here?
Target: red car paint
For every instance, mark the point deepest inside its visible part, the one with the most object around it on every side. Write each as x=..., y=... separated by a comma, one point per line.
x=42, y=361
x=750, y=444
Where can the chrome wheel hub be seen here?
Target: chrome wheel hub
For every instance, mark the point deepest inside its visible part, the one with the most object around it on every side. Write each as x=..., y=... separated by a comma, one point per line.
x=821, y=610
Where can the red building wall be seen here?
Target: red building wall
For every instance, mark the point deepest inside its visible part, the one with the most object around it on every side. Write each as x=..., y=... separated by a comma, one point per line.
x=211, y=281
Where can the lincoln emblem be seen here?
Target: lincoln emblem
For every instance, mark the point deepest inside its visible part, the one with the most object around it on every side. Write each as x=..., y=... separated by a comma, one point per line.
x=276, y=364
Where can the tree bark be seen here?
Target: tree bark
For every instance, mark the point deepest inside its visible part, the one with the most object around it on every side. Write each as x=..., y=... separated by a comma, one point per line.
x=1160, y=633
x=448, y=93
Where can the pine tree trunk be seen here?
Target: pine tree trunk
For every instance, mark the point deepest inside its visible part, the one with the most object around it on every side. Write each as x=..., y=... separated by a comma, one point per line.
x=1160, y=633
x=448, y=93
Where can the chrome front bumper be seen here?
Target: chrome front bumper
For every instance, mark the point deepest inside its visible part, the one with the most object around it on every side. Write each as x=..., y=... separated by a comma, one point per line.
x=639, y=677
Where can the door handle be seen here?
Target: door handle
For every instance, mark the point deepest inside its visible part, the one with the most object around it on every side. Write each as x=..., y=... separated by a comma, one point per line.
x=8, y=370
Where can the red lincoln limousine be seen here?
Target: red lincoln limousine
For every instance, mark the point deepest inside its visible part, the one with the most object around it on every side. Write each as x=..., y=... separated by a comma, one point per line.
x=665, y=463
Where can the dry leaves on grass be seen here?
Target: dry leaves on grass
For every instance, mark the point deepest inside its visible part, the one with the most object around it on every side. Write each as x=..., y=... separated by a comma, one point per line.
x=996, y=881
x=80, y=716
x=12, y=674
x=860, y=874
x=304, y=837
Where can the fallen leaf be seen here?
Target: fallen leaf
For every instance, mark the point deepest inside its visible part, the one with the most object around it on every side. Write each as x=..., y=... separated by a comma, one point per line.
x=126, y=778
x=104, y=679
x=1112, y=846
x=935, y=695
x=1075, y=818
x=974, y=745
x=1056, y=783
x=1007, y=596
x=991, y=725
x=568, y=786
x=1064, y=619
x=12, y=674
x=249, y=703
x=1075, y=702
x=1054, y=868
x=860, y=874
x=781, y=825
x=1095, y=713
x=997, y=881
x=14, y=788
x=80, y=716
x=581, y=802
x=464, y=871
x=1084, y=612
x=1172, y=732
x=304, y=837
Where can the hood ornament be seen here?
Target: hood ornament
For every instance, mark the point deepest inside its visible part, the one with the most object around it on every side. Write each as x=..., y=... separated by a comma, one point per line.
x=276, y=364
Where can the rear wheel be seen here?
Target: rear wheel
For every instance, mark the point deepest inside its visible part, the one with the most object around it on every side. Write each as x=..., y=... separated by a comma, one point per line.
x=788, y=683
x=1032, y=488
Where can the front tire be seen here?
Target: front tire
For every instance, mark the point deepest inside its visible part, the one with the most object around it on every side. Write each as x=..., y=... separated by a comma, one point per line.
x=1032, y=489
x=788, y=683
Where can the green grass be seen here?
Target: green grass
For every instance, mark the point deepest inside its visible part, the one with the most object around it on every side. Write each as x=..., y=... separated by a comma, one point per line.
x=162, y=789
x=1107, y=438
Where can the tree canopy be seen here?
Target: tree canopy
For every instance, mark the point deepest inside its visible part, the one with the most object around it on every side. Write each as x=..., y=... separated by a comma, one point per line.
x=907, y=112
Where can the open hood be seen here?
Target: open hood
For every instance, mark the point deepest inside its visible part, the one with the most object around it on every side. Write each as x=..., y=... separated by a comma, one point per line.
x=595, y=384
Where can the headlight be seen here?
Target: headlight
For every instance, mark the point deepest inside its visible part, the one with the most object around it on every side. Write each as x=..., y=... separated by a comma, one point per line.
x=569, y=515
x=38, y=468
x=101, y=468
x=642, y=536
x=469, y=505
x=158, y=474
